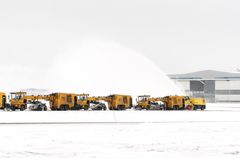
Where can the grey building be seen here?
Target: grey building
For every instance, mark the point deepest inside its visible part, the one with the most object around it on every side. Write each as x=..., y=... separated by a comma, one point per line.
x=214, y=86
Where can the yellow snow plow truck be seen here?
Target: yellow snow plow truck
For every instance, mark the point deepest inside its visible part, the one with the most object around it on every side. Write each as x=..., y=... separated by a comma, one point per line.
x=118, y=102
x=18, y=101
x=149, y=103
x=177, y=103
x=198, y=103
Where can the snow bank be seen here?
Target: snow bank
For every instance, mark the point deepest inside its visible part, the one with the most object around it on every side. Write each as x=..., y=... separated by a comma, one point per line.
x=214, y=113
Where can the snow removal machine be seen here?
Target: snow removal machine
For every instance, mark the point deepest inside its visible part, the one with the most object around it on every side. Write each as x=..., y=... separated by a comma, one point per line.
x=92, y=103
x=177, y=103
x=21, y=101
x=65, y=101
x=117, y=102
x=148, y=103
x=71, y=101
x=198, y=103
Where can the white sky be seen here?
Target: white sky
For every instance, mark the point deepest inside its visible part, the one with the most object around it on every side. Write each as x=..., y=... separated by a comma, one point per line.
x=178, y=36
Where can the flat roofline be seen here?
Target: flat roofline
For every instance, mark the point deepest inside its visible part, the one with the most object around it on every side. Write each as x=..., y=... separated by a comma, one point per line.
x=205, y=79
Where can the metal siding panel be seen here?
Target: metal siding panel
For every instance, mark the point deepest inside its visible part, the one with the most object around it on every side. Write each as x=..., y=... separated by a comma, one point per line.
x=225, y=85
x=228, y=92
x=230, y=98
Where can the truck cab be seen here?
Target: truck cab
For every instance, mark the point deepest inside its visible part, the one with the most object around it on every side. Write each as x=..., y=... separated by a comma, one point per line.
x=18, y=100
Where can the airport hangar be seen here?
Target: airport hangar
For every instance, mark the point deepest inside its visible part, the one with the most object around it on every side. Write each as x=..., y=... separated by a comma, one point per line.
x=214, y=86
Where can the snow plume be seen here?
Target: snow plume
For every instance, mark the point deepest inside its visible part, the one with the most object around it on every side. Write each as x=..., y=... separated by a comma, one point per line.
x=102, y=67
x=95, y=66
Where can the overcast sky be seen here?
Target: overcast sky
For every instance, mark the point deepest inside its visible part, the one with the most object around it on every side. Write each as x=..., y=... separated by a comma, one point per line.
x=177, y=35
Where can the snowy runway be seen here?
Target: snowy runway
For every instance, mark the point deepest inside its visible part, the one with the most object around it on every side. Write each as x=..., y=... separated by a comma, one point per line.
x=127, y=134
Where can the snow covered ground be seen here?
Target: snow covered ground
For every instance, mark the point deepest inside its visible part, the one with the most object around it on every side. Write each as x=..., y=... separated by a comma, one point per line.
x=129, y=134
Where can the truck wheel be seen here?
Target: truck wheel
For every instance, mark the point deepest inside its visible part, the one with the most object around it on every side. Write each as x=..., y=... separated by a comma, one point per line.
x=202, y=108
x=44, y=108
x=22, y=108
x=85, y=108
x=77, y=107
x=175, y=108
x=138, y=108
x=67, y=107
x=122, y=107
x=148, y=108
x=12, y=108
x=62, y=108
x=119, y=107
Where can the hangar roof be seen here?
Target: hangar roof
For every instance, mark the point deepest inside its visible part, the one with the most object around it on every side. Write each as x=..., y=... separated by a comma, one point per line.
x=207, y=75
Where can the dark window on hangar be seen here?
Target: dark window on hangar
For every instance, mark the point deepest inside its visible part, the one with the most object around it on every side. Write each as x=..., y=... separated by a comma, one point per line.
x=196, y=86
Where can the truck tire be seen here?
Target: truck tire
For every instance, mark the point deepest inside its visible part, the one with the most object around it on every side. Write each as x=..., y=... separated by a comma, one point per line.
x=195, y=108
x=44, y=108
x=77, y=107
x=67, y=108
x=175, y=107
x=138, y=107
x=104, y=108
x=12, y=108
x=22, y=108
x=148, y=108
x=85, y=108
x=119, y=107
x=62, y=108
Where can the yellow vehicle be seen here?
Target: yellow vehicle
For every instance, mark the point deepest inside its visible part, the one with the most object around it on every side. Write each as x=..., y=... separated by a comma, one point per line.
x=84, y=100
x=198, y=103
x=67, y=101
x=92, y=103
x=3, y=100
x=148, y=103
x=177, y=103
x=18, y=100
x=118, y=102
